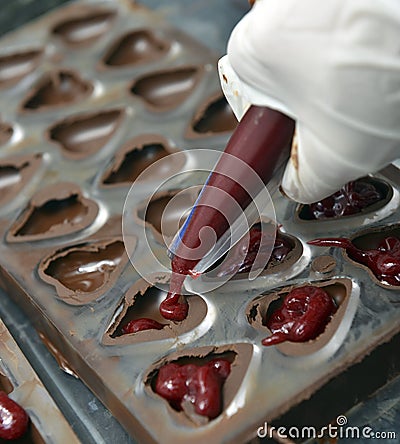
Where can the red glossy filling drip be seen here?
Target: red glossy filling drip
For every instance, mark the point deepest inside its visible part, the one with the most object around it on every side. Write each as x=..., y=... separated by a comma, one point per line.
x=350, y=199
x=303, y=316
x=141, y=324
x=13, y=419
x=383, y=261
x=254, y=250
x=191, y=383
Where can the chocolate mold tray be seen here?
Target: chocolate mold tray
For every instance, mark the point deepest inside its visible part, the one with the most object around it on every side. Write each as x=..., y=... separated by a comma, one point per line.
x=21, y=383
x=107, y=86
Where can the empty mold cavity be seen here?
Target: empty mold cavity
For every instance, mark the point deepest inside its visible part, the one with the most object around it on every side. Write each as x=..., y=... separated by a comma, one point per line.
x=56, y=210
x=240, y=260
x=82, y=273
x=261, y=308
x=214, y=116
x=166, y=90
x=166, y=211
x=137, y=155
x=57, y=89
x=14, y=67
x=238, y=355
x=15, y=173
x=362, y=196
x=376, y=250
x=84, y=29
x=137, y=47
x=83, y=135
x=142, y=301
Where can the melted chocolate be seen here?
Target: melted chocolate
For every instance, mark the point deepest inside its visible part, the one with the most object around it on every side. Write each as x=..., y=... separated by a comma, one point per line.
x=85, y=29
x=166, y=90
x=142, y=301
x=57, y=89
x=83, y=135
x=355, y=197
x=215, y=116
x=14, y=67
x=82, y=273
x=138, y=47
x=57, y=210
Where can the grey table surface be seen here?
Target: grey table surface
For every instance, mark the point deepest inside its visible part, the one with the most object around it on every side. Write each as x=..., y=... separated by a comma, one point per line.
x=209, y=21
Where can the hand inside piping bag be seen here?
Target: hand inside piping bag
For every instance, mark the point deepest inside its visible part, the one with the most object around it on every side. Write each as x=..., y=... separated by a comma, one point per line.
x=335, y=72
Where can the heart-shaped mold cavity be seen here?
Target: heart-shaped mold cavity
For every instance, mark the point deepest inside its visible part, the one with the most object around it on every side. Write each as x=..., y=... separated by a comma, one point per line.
x=57, y=89
x=240, y=260
x=82, y=273
x=15, y=173
x=137, y=155
x=166, y=211
x=142, y=301
x=166, y=90
x=14, y=67
x=83, y=135
x=137, y=47
x=6, y=132
x=236, y=359
x=214, y=116
x=84, y=29
x=260, y=310
x=376, y=250
x=56, y=210
x=361, y=196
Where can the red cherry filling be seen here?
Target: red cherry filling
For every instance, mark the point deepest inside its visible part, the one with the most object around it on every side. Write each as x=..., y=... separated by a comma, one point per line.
x=350, y=199
x=304, y=314
x=199, y=385
x=175, y=307
x=253, y=250
x=13, y=418
x=383, y=261
x=141, y=324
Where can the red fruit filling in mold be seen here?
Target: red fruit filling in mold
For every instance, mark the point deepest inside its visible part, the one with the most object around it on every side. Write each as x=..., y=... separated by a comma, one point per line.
x=200, y=385
x=141, y=324
x=383, y=261
x=13, y=418
x=175, y=306
x=350, y=199
x=252, y=248
x=303, y=316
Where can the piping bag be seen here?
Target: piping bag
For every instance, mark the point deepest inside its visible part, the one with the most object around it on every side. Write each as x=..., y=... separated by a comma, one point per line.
x=256, y=151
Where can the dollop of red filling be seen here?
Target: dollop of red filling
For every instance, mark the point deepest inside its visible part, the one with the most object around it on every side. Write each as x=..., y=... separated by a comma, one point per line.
x=350, y=199
x=141, y=324
x=200, y=385
x=13, y=418
x=383, y=261
x=253, y=249
x=303, y=315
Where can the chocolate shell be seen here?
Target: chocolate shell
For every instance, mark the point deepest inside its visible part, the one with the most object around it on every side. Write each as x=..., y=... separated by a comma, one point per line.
x=15, y=66
x=142, y=300
x=84, y=272
x=83, y=135
x=56, y=210
x=338, y=288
